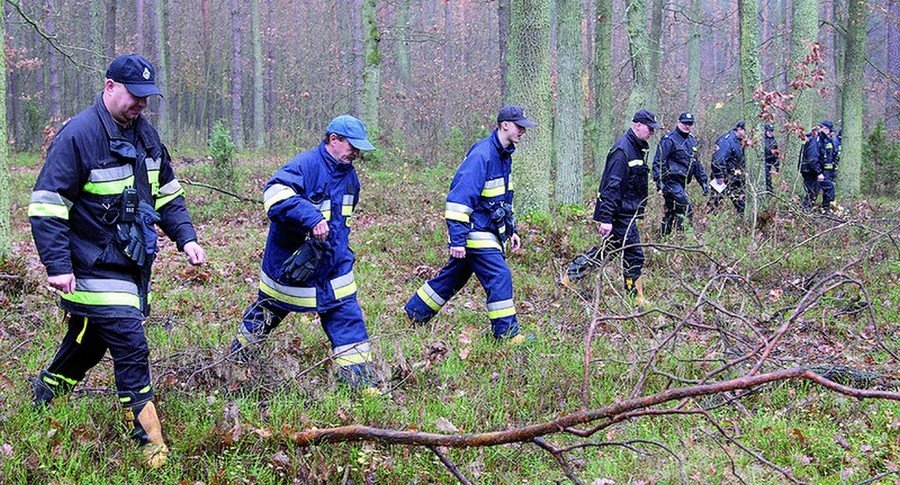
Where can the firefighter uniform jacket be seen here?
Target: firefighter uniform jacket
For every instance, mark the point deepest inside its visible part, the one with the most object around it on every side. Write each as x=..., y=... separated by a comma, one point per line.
x=829, y=152
x=74, y=209
x=312, y=187
x=481, y=185
x=728, y=156
x=623, y=187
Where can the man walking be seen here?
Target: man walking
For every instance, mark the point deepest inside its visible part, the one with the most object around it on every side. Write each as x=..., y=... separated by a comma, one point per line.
x=772, y=155
x=308, y=264
x=480, y=221
x=106, y=181
x=621, y=202
x=674, y=165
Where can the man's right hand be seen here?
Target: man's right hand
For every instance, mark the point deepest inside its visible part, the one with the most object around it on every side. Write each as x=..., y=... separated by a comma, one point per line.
x=605, y=229
x=320, y=231
x=63, y=282
x=820, y=178
x=458, y=252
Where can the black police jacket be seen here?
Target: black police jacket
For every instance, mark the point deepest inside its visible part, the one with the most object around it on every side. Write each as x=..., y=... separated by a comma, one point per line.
x=623, y=187
x=676, y=158
x=770, y=148
x=812, y=157
x=74, y=209
x=728, y=156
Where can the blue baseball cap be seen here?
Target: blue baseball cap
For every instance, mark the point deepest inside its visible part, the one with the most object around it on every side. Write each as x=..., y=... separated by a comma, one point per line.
x=352, y=129
x=515, y=114
x=646, y=117
x=686, y=118
x=135, y=73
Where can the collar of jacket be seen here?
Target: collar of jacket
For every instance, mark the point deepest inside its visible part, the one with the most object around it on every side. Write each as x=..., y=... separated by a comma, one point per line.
x=118, y=144
x=505, y=152
x=637, y=143
x=331, y=163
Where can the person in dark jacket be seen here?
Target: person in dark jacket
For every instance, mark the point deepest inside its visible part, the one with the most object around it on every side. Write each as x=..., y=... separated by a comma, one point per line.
x=480, y=221
x=728, y=166
x=621, y=201
x=831, y=158
x=811, y=165
x=106, y=181
x=772, y=155
x=674, y=165
x=314, y=196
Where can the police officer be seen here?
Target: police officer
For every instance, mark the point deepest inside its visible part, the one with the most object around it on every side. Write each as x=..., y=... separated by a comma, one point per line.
x=674, y=165
x=106, y=180
x=480, y=222
x=772, y=155
x=728, y=167
x=621, y=201
x=811, y=164
x=314, y=196
x=829, y=164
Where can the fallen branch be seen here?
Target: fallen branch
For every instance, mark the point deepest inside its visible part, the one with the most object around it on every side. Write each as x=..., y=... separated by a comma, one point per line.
x=221, y=190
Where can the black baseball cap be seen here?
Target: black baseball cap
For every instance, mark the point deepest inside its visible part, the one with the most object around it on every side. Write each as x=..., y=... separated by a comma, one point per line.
x=135, y=73
x=827, y=124
x=741, y=125
x=646, y=117
x=686, y=118
x=515, y=114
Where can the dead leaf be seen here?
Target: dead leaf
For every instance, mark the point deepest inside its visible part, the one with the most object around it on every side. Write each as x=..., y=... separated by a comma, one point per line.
x=263, y=433
x=842, y=442
x=280, y=460
x=464, y=352
x=6, y=450
x=445, y=426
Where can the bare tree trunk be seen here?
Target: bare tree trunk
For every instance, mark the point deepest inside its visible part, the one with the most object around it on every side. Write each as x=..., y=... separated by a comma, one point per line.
x=237, y=73
x=53, y=66
x=259, y=135
x=270, y=64
x=529, y=86
x=139, y=27
x=206, y=39
x=804, y=32
x=693, y=74
x=748, y=13
x=5, y=201
x=603, y=84
x=892, y=101
x=97, y=36
x=655, y=54
x=162, y=121
x=356, y=29
x=852, y=106
x=503, y=37
x=372, y=70
x=109, y=32
x=568, y=132
x=638, y=46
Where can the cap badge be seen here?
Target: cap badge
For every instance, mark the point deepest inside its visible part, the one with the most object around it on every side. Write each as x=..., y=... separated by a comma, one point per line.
x=146, y=74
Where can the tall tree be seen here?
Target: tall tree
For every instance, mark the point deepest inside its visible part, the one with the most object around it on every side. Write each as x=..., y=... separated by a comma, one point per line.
x=162, y=64
x=605, y=131
x=96, y=13
x=693, y=74
x=357, y=50
x=529, y=86
x=503, y=37
x=568, y=132
x=852, y=105
x=638, y=48
x=804, y=31
x=109, y=31
x=53, y=65
x=237, y=75
x=259, y=132
x=5, y=228
x=748, y=13
x=139, y=26
x=655, y=53
x=372, y=68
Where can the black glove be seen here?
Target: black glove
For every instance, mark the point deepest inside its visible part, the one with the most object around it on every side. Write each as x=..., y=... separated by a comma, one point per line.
x=301, y=265
x=131, y=240
x=705, y=190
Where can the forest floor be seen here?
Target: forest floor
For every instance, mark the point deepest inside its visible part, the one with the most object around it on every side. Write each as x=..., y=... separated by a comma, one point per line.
x=716, y=292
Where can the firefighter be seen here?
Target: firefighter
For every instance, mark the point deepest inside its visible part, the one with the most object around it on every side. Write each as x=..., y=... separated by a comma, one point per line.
x=309, y=199
x=107, y=180
x=480, y=221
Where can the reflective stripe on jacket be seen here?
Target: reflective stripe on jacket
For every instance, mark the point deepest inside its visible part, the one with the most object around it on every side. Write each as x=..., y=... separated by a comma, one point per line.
x=73, y=209
x=312, y=187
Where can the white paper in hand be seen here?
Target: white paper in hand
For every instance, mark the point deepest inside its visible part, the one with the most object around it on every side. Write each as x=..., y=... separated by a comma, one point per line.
x=719, y=187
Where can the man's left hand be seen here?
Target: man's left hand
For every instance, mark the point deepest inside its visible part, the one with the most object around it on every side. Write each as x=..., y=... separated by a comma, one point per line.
x=196, y=255
x=515, y=243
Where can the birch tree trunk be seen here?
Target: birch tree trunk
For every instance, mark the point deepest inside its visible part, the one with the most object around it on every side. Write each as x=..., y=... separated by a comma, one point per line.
x=568, y=133
x=852, y=103
x=529, y=86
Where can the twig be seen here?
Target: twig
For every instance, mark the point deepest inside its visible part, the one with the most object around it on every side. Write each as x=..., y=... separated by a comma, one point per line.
x=221, y=190
x=450, y=465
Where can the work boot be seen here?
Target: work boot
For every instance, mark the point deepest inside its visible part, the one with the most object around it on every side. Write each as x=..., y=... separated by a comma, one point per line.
x=146, y=430
x=361, y=378
x=522, y=339
x=46, y=386
x=639, y=293
x=580, y=267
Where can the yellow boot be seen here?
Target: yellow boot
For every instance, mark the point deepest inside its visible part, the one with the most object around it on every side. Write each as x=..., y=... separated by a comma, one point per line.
x=639, y=291
x=145, y=428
